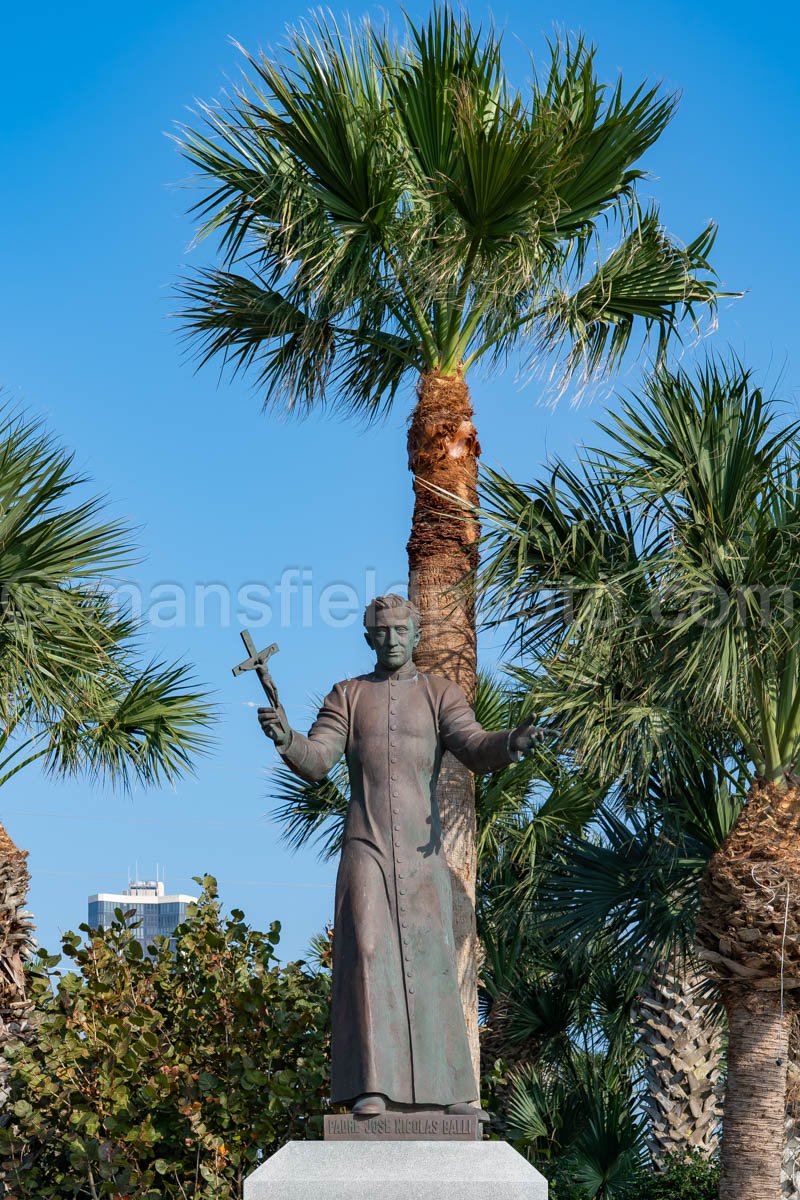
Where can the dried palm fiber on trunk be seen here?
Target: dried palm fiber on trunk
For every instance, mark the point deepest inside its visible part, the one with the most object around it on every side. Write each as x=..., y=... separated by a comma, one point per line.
x=790, y=1176
x=16, y=945
x=747, y=931
x=683, y=1049
x=443, y=455
x=749, y=921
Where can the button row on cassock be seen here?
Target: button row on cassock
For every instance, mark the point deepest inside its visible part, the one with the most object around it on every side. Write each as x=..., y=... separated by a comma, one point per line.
x=396, y=813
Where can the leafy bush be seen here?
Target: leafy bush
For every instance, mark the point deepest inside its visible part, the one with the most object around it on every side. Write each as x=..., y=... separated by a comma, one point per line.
x=166, y=1077
x=690, y=1178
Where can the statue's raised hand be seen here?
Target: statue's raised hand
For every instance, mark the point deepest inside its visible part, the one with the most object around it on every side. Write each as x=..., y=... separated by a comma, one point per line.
x=527, y=735
x=275, y=725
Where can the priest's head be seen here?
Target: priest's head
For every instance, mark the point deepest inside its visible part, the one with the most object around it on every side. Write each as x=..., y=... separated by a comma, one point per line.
x=392, y=628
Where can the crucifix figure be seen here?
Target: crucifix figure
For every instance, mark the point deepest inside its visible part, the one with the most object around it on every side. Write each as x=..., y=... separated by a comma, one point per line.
x=399, y=1037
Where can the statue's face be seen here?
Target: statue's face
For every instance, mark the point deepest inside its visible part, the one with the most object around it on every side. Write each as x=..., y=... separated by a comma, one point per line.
x=393, y=638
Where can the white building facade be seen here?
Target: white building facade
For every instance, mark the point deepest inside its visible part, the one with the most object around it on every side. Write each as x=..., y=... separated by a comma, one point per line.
x=158, y=914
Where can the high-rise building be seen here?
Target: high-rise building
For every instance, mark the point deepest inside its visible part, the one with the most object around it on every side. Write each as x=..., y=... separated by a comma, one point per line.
x=157, y=913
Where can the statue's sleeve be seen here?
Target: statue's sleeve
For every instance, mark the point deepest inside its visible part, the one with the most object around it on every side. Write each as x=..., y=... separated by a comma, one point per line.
x=312, y=756
x=477, y=748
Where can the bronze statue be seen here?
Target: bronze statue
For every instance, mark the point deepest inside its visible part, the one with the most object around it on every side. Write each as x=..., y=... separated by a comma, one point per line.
x=399, y=1037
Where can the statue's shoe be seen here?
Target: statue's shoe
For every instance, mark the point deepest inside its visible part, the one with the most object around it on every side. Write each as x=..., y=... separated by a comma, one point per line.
x=467, y=1110
x=369, y=1106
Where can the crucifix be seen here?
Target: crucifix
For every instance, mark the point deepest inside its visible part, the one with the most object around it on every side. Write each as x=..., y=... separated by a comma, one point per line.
x=257, y=662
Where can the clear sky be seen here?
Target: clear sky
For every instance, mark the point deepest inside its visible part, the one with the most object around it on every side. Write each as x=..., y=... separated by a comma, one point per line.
x=94, y=233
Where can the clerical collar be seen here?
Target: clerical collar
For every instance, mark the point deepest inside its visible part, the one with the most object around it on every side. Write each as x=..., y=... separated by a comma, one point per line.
x=407, y=671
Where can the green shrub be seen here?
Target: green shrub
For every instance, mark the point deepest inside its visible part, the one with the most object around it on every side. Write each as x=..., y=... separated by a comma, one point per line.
x=166, y=1077
x=690, y=1178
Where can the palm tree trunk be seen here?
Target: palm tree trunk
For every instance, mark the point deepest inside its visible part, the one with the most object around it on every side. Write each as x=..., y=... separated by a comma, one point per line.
x=748, y=928
x=753, y=1131
x=790, y=1177
x=790, y=1173
x=15, y=947
x=442, y=552
x=683, y=1065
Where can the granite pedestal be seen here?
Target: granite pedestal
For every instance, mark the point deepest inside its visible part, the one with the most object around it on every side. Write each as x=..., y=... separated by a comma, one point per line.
x=381, y=1170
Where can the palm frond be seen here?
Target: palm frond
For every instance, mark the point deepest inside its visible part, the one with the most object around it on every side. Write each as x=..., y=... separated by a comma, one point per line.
x=650, y=279
x=579, y=1117
x=631, y=880
x=143, y=727
x=446, y=61
x=312, y=813
x=600, y=135
x=707, y=439
x=299, y=356
x=328, y=111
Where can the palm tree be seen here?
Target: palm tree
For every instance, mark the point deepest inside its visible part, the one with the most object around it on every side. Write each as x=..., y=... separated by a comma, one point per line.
x=634, y=882
x=390, y=210
x=626, y=876
x=73, y=693
x=558, y=550
x=691, y=527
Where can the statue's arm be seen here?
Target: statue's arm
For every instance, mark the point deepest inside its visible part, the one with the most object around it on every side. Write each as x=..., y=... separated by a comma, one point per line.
x=479, y=749
x=311, y=756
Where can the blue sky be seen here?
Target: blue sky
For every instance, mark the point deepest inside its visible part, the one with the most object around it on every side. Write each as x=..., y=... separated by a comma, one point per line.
x=95, y=233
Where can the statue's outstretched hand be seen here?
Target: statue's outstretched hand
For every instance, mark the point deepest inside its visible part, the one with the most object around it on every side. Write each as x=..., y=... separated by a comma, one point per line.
x=527, y=735
x=275, y=725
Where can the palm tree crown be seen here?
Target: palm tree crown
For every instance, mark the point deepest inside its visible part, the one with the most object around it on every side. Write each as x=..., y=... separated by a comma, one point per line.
x=388, y=207
x=73, y=690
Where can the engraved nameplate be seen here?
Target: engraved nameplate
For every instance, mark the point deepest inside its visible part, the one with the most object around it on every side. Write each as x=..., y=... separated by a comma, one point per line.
x=403, y=1127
